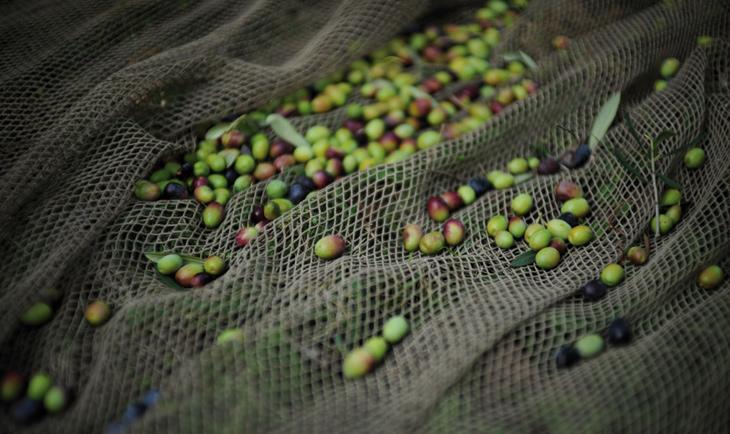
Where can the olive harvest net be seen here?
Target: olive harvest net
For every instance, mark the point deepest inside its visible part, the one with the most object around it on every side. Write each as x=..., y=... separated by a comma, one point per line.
x=94, y=92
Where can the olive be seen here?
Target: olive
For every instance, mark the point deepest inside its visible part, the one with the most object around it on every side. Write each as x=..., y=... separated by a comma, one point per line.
x=637, y=255
x=669, y=67
x=200, y=280
x=245, y=164
x=173, y=190
x=187, y=272
x=559, y=228
x=566, y=190
x=56, y=399
x=452, y=199
x=231, y=176
x=27, y=410
x=566, y=356
x=711, y=277
x=36, y=315
x=276, y=189
x=593, y=290
x=395, y=329
x=548, y=166
x=12, y=386
x=480, y=185
x=437, y=209
x=264, y=171
x=547, y=258
x=97, y=313
x=145, y=190
x=357, y=363
x=377, y=347
x=589, y=345
x=518, y=166
x=517, y=227
x=257, y=214
x=674, y=213
x=169, y=264
x=670, y=197
x=214, y=265
x=531, y=229
x=504, y=239
x=298, y=193
x=213, y=215
x=39, y=385
x=660, y=85
x=612, y=274
x=522, y=204
x=496, y=224
x=246, y=235
x=330, y=247
x=619, y=332
x=694, y=158
x=580, y=235
x=578, y=207
x=204, y=194
x=230, y=335
x=569, y=218
x=454, y=232
x=431, y=243
x=664, y=223
x=559, y=245
x=539, y=240
x=412, y=234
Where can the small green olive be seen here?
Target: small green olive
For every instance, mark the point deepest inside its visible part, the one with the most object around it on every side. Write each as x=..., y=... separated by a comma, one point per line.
x=412, y=234
x=674, y=213
x=214, y=265
x=539, y=240
x=694, y=158
x=503, y=181
x=533, y=162
x=97, y=313
x=637, y=255
x=522, y=204
x=213, y=215
x=578, y=207
x=184, y=276
x=245, y=164
x=547, y=258
x=670, y=197
x=559, y=228
x=330, y=247
x=669, y=67
x=517, y=166
x=276, y=189
x=169, y=264
x=665, y=224
x=395, y=329
x=467, y=194
x=377, y=347
x=230, y=335
x=432, y=243
x=38, y=314
x=454, y=232
x=612, y=274
x=496, y=224
x=711, y=277
x=145, y=190
x=580, y=235
x=589, y=345
x=531, y=229
x=55, y=400
x=517, y=227
x=504, y=239
x=39, y=385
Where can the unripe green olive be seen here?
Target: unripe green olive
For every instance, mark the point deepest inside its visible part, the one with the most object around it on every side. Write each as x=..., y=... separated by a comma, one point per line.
x=467, y=194
x=669, y=67
x=503, y=181
x=531, y=229
x=496, y=224
x=674, y=213
x=518, y=166
x=230, y=335
x=214, y=265
x=55, y=400
x=39, y=385
x=694, y=158
x=517, y=227
x=222, y=195
x=145, y=190
x=559, y=228
x=187, y=272
x=578, y=207
x=589, y=346
x=395, y=329
x=432, y=243
x=660, y=85
x=244, y=164
x=533, y=162
x=665, y=224
x=612, y=274
x=276, y=189
x=522, y=204
x=711, y=277
x=169, y=264
x=377, y=347
x=36, y=315
x=580, y=235
x=539, y=240
x=670, y=197
x=213, y=215
x=504, y=239
x=547, y=258
x=412, y=234
x=454, y=232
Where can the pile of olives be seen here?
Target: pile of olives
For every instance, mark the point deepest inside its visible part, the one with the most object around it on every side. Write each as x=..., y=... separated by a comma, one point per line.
x=667, y=70
x=190, y=272
x=362, y=360
x=591, y=345
x=42, y=396
x=452, y=234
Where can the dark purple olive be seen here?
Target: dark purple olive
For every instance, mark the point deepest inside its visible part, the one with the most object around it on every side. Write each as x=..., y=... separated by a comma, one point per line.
x=306, y=182
x=185, y=171
x=581, y=155
x=569, y=219
x=231, y=175
x=619, y=332
x=199, y=182
x=245, y=150
x=297, y=193
x=548, y=166
x=174, y=190
x=480, y=185
x=566, y=356
x=280, y=147
x=257, y=214
x=134, y=411
x=354, y=125
x=201, y=280
x=593, y=290
x=27, y=411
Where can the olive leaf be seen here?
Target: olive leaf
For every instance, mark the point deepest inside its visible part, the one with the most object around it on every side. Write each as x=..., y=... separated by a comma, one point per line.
x=624, y=161
x=630, y=126
x=521, y=56
x=525, y=258
x=193, y=259
x=168, y=281
x=669, y=182
x=663, y=136
x=604, y=119
x=216, y=131
x=229, y=155
x=284, y=129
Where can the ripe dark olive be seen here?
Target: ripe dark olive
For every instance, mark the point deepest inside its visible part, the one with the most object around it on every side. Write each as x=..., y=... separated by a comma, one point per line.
x=280, y=147
x=306, y=182
x=619, y=332
x=581, y=155
x=174, y=190
x=200, y=280
x=569, y=218
x=593, y=290
x=566, y=357
x=321, y=179
x=185, y=171
x=27, y=410
x=548, y=166
x=452, y=199
x=231, y=175
x=480, y=185
x=199, y=181
x=297, y=193
x=257, y=214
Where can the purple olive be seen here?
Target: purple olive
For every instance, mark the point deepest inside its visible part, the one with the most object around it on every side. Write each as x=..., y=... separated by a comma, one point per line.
x=174, y=190
x=548, y=166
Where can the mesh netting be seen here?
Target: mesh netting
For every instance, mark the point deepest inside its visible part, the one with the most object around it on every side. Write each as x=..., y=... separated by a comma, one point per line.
x=94, y=93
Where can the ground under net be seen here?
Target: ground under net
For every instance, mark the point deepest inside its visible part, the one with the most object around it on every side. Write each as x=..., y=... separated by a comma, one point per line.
x=81, y=120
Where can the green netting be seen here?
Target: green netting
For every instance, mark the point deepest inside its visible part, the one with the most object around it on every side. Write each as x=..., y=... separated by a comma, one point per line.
x=82, y=118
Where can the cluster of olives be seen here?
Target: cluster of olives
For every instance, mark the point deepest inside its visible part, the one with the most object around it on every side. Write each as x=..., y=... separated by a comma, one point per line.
x=440, y=207
x=452, y=234
x=41, y=396
x=191, y=272
x=670, y=212
x=589, y=346
x=399, y=116
x=551, y=240
x=362, y=360
x=667, y=70
x=133, y=412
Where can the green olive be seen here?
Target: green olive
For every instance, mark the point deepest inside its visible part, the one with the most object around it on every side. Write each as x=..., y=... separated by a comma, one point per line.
x=547, y=258
x=612, y=274
x=522, y=204
x=711, y=277
x=694, y=158
x=580, y=235
x=504, y=239
x=578, y=207
x=496, y=224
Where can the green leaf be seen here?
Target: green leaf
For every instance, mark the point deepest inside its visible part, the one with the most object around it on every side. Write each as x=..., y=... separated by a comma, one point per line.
x=284, y=129
x=169, y=281
x=663, y=136
x=194, y=259
x=230, y=156
x=521, y=56
x=525, y=258
x=604, y=119
x=624, y=161
x=519, y=179
x=669, y=182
